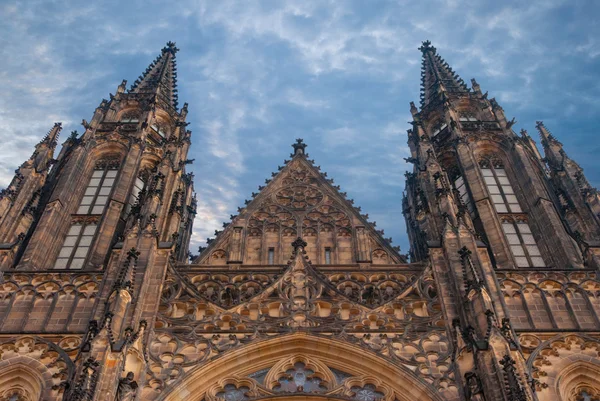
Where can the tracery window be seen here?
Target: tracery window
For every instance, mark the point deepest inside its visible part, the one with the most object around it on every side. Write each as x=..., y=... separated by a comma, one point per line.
x=587, y=395
x=439, y=127
x=98, y=189
x=299, y=379
x=464, y=117
x=76, y=246
x=367, y=393
x=516, y=229
x=501, y=192
x=159, y=128
x=130, y=117
x=465, y=199
x=522, y=244
x=134, y=199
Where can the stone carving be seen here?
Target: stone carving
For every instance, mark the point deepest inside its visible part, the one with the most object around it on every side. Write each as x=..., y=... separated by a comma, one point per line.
x=299, y=197
x=300, y=375
x=127, y=388
x=473, y=388
x=303, y=297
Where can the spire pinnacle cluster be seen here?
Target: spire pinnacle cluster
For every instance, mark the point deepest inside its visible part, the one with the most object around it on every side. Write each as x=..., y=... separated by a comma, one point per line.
x=160, y=78
x=437, y=76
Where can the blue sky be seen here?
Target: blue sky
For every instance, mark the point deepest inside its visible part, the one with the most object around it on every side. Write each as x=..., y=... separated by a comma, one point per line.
x=340, y=74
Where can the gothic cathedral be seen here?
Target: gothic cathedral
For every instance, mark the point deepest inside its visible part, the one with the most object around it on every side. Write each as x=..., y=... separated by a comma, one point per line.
x=300, y=296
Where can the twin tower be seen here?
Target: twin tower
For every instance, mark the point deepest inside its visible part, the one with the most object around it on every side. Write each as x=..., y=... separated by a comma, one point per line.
x=299, y=296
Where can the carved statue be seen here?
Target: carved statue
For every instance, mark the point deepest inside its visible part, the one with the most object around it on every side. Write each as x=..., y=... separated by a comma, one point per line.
x=127, y=388
x=473, y=388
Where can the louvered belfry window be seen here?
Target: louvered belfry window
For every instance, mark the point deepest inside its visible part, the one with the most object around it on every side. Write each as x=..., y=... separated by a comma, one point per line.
x=515, y=225
x=75, y=248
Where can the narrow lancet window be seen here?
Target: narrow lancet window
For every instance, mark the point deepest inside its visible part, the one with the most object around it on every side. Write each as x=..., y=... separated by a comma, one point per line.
x=271, y=256
x=461, y=187
x=327, y=256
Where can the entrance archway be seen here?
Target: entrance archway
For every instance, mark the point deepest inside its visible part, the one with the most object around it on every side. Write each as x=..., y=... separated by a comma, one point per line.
x=322, y=360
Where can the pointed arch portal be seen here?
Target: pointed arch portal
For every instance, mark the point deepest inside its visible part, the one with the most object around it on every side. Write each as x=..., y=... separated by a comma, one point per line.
x=365, y=369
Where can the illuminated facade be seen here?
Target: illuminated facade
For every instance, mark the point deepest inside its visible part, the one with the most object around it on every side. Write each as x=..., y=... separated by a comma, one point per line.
x=299, y=296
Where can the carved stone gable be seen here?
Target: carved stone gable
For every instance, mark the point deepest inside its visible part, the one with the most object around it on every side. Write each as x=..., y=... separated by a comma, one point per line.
x=299, y=201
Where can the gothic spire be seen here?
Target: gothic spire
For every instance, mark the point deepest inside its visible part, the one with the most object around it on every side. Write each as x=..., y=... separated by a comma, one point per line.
x=545, y=135
x=160, y=78
x=437, y=76
x=51, y=138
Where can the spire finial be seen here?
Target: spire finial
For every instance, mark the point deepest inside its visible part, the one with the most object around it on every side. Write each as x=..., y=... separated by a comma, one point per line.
x=426, y=46
x=299, y=147
x=170, y=47
x=299, y=244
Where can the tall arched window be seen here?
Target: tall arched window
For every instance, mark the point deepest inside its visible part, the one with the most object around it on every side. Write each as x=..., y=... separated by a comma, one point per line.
x=521, y=242
x=139, y=186
x=498, y=185
x=515, y=226
x=99, y=187
x=78, y=241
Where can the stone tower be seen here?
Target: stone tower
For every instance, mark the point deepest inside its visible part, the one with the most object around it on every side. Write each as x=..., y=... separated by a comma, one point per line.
x=300, y=295
x=511, y=237
x=86, y=239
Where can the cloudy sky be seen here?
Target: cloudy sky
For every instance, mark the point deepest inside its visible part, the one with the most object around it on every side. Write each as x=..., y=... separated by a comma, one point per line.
x=340, y=74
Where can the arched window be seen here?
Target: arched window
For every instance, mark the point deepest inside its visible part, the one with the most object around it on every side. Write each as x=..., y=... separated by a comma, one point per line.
x=501, y=191
x=75, y=248
x=438, y=128
x=467, y=116
x=20, y=383
x=139, y=186
x=521, y=242
x=130, y=117
x=515, y=226
x=99, y=187
x=463, y=194
x=160, y=128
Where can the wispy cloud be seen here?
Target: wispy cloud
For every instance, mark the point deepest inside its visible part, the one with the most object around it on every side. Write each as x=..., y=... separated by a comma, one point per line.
x=259, y=74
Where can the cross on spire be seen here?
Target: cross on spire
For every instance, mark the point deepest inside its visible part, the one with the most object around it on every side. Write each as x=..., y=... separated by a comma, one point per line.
x=160, y=78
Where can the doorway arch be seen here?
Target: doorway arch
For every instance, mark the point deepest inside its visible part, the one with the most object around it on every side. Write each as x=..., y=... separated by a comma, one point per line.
x=365, y=367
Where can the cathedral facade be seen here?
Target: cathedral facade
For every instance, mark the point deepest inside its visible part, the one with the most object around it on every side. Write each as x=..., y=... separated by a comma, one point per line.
x=299, y=296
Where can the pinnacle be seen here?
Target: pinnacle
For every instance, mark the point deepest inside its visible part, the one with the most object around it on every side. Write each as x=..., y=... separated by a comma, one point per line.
x=51, y=137
x=545, y=134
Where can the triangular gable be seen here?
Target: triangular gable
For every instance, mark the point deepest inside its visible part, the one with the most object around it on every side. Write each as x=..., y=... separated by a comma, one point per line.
x=299, y=201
